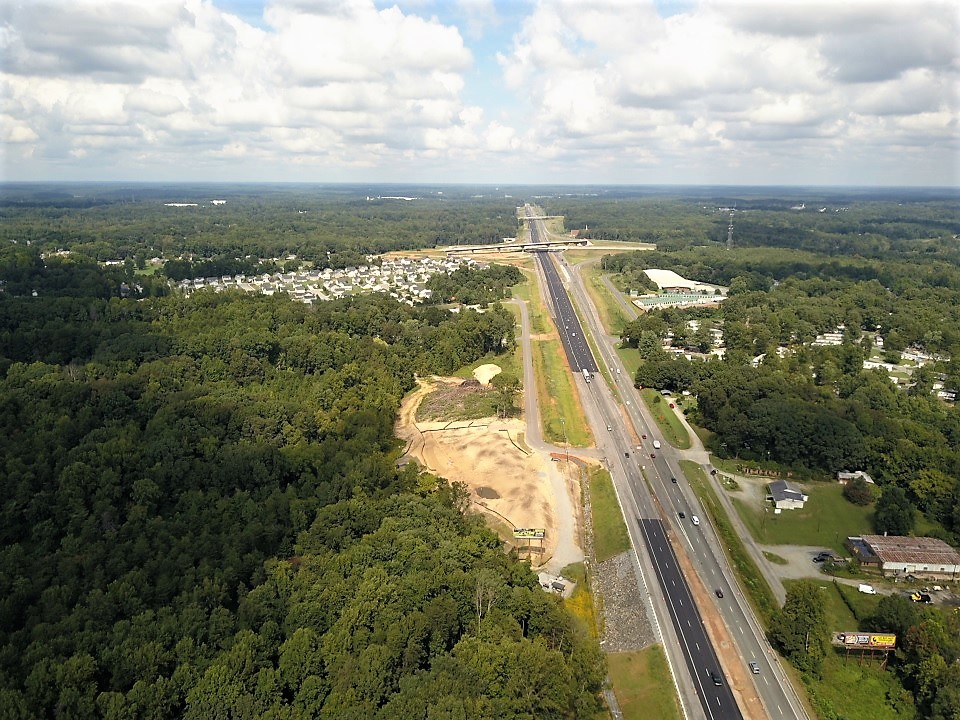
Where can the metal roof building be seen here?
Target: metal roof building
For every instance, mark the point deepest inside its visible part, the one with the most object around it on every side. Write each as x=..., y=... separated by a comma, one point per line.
x=906, y=555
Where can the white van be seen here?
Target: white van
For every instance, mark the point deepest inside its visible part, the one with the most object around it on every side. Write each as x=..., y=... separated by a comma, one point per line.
x=695, y=520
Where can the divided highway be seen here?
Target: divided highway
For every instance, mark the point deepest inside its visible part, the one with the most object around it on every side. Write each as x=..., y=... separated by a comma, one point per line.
x=690, y=647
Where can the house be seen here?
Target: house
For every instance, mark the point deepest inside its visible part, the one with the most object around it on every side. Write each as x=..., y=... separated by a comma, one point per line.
x=844, y=477
x=903, y=555
x=786, y=496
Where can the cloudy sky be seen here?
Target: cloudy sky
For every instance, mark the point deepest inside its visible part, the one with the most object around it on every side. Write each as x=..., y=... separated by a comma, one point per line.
x=846, y=92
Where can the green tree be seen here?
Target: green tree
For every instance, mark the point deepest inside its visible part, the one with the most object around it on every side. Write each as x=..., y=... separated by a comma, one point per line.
x=895, y=513
x=858, y=491
x=799, y=630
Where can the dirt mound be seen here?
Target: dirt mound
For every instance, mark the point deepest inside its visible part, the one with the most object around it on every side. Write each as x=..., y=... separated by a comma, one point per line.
x=486, y=373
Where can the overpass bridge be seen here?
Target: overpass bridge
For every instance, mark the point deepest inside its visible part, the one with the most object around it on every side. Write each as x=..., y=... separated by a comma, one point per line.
x=518, y=247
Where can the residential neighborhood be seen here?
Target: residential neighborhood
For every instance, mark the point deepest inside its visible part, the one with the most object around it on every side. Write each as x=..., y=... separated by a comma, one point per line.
x=404, y=279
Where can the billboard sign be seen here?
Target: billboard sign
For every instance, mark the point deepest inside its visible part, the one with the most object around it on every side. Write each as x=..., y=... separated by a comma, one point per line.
x=529, y=533
x=882, y=641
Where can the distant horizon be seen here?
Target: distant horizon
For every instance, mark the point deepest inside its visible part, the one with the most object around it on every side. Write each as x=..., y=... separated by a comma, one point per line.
x=467, y=184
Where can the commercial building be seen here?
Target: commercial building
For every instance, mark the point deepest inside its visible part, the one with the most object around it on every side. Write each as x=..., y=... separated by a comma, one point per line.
x=902, y=555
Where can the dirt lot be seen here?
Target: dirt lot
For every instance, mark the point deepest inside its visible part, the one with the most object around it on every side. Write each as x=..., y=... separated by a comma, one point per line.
x=509, y=483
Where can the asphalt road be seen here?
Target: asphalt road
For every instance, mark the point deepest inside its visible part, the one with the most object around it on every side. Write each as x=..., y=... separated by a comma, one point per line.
x=702, y=544
x=687, y=645
x=704, y=667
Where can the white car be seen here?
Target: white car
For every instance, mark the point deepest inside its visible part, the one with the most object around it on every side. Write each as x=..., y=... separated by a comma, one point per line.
x=694, y=519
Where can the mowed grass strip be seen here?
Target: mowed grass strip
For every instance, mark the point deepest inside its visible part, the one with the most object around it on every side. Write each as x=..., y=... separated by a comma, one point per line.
x=612, y=316
x=826, y=519
x=558, y=397
x=530, y=292
x=610, y=537
x=749, y=575
x=642, y=684
x=670, y=426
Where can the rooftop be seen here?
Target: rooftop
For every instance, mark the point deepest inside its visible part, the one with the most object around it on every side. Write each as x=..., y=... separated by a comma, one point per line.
x=907, y=549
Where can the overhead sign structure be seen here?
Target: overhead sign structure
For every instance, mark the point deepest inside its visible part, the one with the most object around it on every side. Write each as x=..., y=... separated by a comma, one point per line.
x=529, y=533
x=882, y=641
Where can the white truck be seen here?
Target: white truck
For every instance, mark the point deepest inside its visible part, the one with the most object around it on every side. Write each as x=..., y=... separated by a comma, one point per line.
x=868, y=589
x=586, y=375
x=656, y=444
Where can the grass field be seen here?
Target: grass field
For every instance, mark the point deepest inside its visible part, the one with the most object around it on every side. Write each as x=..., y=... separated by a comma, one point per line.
x=671, y=428
x=610, y=536
x=825, y=520
x=630, y=359
x=749, y=575
x=643, y=686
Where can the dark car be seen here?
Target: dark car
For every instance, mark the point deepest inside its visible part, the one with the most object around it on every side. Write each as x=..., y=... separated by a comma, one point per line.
x=673, y=480
x=653, y=455
x=718, y=592
x=644, y=437
x=682, y=514
x=715, y=676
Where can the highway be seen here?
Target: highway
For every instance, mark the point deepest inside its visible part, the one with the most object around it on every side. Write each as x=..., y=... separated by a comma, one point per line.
x=701, y=542
x=685, y=640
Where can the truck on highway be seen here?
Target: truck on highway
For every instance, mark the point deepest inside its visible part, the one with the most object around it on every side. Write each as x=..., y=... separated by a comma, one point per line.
x=586, y=375
x=656, y=444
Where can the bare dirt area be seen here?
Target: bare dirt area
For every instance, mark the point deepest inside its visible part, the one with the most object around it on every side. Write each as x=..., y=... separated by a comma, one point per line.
x=509, y=483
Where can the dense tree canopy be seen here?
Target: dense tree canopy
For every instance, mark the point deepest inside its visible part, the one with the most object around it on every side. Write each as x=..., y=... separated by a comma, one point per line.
x=203, y=516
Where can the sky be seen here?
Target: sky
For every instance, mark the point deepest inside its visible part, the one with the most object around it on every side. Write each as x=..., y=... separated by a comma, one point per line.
x=687, y=92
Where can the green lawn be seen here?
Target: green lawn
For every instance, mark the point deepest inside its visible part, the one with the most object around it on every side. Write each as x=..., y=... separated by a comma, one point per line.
x=610, y=537
x=530, y=292
x=670, y=426
x=643, y=686
x=630, y=359
x=825, y=520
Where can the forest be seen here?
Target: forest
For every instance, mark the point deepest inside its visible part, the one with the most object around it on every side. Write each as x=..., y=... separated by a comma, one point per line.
x=204, y=516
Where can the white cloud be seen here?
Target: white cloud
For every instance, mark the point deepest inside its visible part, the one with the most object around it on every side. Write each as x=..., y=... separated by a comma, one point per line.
x=600, y=91
x=750, y=79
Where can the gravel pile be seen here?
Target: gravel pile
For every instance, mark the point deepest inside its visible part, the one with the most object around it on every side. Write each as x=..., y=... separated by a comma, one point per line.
x=626, y=625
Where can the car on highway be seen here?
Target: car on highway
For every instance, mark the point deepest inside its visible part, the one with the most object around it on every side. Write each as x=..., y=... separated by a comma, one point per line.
x=644, y=436
x=718, y=592
x=754, y=668
x=715, y=676
x=682, y=514
x=694, y=519
x=673, y=480
x=610, y=427
x=653, y=455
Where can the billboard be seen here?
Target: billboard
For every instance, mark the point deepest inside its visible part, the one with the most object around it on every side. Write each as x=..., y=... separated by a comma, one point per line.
x=882, y=641
x=529, y=533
